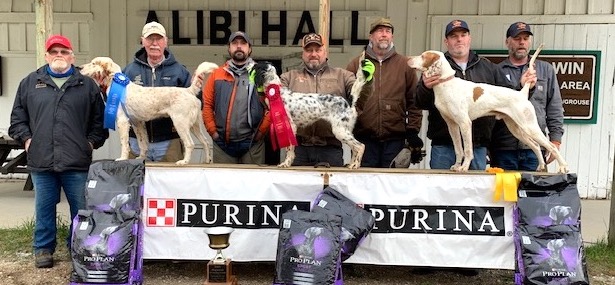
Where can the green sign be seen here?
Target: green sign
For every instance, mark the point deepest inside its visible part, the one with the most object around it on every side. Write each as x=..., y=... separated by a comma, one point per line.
x=578, y=74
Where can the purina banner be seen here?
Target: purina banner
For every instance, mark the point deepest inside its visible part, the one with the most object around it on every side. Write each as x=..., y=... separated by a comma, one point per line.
x=422, y=219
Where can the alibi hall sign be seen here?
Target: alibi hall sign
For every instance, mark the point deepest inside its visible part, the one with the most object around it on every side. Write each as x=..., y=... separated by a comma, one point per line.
x=280, y=23
x=578, y=74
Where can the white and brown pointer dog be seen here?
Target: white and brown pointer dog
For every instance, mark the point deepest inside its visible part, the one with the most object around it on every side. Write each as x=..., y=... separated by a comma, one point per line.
x=147, y=103
x=460, y=101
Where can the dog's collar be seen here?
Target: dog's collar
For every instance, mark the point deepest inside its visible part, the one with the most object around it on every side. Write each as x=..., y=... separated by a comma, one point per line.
x=447, y=79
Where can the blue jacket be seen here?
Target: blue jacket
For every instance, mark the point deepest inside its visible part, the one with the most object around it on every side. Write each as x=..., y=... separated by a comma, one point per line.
x=168, y=73
x=62, y=122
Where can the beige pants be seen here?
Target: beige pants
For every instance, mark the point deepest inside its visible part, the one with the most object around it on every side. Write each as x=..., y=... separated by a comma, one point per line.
x=256, y=155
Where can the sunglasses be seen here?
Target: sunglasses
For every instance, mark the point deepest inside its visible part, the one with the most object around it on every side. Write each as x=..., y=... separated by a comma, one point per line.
x=62, y=52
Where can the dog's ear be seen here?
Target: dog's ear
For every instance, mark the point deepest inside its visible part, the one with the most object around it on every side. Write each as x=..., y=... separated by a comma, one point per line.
x=432, y=64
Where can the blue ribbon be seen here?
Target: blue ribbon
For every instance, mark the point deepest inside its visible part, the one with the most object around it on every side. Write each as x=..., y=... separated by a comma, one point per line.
x=117, y=96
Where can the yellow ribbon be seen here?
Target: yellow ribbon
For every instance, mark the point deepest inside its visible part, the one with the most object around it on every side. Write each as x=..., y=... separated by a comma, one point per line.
x=506, y=184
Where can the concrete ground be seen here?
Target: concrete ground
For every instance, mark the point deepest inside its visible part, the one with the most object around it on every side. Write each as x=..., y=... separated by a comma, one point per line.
x=16, y=207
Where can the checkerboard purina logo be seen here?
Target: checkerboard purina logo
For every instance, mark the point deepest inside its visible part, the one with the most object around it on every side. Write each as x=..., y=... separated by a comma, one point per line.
x=161, y=212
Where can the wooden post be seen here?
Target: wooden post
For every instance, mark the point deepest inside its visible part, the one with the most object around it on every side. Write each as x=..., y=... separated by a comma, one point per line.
x=44, y=24
x=323, y=21
x=611, y=237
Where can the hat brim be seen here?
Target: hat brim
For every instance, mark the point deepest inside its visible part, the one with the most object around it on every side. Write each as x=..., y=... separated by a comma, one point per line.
x=520, y=32
x=457, y=29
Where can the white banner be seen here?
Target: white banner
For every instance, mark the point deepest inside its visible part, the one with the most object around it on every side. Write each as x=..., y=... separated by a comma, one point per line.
x=422, y=219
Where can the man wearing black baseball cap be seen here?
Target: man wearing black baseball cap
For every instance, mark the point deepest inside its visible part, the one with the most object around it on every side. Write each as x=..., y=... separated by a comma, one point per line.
x=233, y=112
x=469, y=66
x=506, y=151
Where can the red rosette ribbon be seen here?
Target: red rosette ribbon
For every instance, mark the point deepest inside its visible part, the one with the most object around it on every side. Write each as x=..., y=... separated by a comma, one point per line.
x=282, y=134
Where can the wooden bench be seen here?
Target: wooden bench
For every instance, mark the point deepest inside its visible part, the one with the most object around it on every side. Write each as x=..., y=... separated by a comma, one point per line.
x=16, y=164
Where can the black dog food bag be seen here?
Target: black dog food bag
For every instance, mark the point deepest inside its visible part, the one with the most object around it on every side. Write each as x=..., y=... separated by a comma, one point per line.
x=553, y=255
x=102, y=246
x=357, y=222
x=549, y=200
x=308, y=248
x=115, y=185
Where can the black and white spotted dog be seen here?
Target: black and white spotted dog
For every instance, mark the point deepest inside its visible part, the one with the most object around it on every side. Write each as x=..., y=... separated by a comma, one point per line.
x=304, y=109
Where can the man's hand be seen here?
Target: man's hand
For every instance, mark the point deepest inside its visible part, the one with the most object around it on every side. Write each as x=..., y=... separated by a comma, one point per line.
x=251, y=77
x=431, y=81
x=550, y=158
x=368, y=68
x=529, y=76
x=415, y=144
x=27, y=144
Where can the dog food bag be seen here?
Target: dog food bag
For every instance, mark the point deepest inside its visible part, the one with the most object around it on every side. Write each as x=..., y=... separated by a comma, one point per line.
x=357, y=222
x=549, y=200
x=114, y=185
x=308, y=249
x=553, y=255
x=102, y=246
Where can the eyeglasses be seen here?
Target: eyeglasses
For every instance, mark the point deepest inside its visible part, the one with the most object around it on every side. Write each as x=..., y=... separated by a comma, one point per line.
x=152, y=39
x=62, y=52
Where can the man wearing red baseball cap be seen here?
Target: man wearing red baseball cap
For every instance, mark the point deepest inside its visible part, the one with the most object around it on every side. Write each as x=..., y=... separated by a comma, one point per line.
x=58, y=117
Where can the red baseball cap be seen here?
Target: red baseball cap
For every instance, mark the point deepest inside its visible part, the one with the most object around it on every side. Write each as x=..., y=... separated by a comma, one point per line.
x=58, y=40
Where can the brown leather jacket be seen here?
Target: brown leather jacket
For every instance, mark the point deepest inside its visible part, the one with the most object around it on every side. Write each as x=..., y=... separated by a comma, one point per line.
x=327, y=80
x=392, y=100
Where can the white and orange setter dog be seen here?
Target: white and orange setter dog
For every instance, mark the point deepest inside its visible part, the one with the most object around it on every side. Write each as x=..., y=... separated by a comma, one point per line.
x=460, y=101
x=147, y=103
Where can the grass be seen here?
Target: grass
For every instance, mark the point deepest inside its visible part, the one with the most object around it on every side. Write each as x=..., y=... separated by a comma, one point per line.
x=601, y=257
x=19, y=239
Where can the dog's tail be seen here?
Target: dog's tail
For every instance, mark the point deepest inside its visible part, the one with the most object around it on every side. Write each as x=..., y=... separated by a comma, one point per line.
x=200, y=76
x=358, y=96
x=526, y=88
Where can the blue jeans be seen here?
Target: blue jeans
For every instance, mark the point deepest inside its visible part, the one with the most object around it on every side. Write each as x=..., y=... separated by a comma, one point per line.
x=47, y=186
x=380, y=153
x=155, y=151
x=443, y=157
x=521, y=159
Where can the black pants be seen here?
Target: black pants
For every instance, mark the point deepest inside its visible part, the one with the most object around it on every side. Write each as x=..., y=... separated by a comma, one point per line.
x=311, y=155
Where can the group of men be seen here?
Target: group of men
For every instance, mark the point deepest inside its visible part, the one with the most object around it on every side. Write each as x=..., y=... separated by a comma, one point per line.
x=58, y=113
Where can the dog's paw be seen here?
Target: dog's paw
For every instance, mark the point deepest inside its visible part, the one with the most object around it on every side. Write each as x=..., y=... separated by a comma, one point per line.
x=562, y=169
x=181, y=162
x=284, y=165
x=121, y=158
x=459, y=168
x=354, y=165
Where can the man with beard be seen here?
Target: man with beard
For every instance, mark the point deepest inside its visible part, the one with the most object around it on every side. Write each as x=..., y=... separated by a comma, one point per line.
x=233, y=112
x=58, y=117
x=506, y=151
x=155, y=65
x=317, y=144
x=389, y=120
x=469, y=66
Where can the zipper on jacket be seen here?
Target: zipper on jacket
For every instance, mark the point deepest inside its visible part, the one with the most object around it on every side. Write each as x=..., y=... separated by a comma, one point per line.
x=151, y=123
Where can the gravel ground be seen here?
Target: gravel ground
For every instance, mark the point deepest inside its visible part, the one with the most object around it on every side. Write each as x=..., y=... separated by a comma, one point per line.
x=20, y=271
